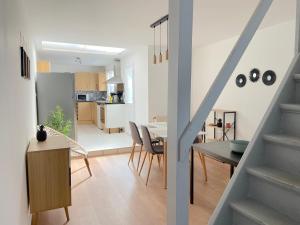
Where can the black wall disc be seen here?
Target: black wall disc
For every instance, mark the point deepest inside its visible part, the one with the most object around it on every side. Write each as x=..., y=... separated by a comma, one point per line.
x=254, y=75
x=241, y=80
x=269, y=78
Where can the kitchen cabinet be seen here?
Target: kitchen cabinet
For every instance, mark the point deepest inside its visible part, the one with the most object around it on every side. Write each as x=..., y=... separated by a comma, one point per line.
x=84, y=112
x=86, y=81
x=114, y=115
x=87, y=112
x=102, y=82
x=43, y=66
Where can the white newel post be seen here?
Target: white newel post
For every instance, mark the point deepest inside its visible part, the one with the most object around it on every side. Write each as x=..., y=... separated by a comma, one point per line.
x=179, y=97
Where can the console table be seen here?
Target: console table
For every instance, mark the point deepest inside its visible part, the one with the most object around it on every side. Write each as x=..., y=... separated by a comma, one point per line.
x=49, y=175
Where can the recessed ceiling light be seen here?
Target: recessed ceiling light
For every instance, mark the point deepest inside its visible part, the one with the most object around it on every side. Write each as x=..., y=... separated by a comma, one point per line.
x=69, y=47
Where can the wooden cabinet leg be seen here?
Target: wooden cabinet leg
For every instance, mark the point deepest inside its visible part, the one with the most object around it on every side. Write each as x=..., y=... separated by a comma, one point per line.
x=34, y=220
x=67, y=213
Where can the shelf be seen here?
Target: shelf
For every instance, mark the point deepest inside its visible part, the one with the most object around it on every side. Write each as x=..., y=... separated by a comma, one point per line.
x=224, y=111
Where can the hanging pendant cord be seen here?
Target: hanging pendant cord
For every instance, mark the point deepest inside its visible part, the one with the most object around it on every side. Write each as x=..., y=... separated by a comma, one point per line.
x=154, y=41
x=160, y=38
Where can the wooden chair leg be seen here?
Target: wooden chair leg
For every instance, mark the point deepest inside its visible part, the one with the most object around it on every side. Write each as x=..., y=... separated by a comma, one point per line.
x=143, y=162
x=88, y=165
x=34, y=220
x=158, y=159
x=131, y=154
x=138, y=165
x=151, y=159
x=202, y=159
x=67, y=213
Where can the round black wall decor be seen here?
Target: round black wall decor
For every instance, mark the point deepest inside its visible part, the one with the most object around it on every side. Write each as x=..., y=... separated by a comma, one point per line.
x=241, y=80
x=254, y=75
x=269, y=78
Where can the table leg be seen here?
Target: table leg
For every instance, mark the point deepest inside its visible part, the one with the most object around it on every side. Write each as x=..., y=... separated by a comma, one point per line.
x=165, y=165
x=34, y=219
x=192, y=177
x=231, y=170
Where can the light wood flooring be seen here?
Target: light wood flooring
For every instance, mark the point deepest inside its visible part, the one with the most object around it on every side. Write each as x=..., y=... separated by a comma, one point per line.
x=116, y=195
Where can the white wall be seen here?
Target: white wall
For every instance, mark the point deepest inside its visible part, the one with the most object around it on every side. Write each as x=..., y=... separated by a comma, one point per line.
x=138, y=60
x=158, y=86
x=74, y=68
x=17, y=114
x=271, y=48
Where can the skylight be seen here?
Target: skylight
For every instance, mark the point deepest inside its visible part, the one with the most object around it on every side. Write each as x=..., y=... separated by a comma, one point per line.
x=79, y=48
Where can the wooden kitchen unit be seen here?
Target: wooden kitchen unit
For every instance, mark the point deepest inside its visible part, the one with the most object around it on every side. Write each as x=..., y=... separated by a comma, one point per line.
x=90, y=81
x=49, y=176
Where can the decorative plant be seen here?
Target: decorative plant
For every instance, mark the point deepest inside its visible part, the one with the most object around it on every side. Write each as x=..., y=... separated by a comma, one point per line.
x=56, y=120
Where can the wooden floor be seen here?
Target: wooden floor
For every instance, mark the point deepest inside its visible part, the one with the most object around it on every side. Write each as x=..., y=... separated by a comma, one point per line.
x=116, y=195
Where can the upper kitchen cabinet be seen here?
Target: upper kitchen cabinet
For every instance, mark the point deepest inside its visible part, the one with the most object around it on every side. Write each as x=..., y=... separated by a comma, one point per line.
x=102, y=82
x=43, y=66
x=86, y=81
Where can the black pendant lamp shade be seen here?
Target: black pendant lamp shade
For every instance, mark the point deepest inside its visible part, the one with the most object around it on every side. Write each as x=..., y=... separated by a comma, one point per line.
x=241, y=80
x=254, y=75
x=269, y=78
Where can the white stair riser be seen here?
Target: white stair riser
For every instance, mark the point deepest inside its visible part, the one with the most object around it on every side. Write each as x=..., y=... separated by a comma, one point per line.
x=283, y=200
x=239, y=219
x=290, y=123
x=283, y=157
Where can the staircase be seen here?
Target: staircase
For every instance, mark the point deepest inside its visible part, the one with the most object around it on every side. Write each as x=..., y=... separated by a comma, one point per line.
x=266, y=187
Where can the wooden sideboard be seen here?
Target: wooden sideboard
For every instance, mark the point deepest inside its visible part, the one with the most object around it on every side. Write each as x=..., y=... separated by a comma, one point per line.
x=49, y=175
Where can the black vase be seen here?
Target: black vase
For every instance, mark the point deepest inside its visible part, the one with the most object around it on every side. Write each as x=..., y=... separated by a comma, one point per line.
x=41, y=134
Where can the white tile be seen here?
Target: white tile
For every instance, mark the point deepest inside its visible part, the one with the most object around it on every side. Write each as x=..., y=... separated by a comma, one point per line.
x=94, y=139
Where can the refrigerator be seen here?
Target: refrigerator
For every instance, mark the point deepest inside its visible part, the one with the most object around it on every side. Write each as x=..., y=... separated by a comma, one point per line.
x=56, y=89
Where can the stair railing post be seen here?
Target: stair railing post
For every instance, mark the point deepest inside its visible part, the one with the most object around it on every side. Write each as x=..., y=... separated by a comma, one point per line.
x=218, y=85
x=179, y=100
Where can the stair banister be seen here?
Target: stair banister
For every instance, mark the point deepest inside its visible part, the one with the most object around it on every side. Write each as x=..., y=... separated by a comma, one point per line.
x=218, y=85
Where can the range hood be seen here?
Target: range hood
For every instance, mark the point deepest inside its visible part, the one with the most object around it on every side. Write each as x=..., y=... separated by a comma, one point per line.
x=114, y=73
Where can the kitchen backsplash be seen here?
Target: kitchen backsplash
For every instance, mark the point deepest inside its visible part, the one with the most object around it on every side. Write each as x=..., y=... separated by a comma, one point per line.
x=94, y=95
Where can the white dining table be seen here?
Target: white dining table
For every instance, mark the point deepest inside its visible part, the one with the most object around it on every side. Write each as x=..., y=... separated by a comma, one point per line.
x=160, y=130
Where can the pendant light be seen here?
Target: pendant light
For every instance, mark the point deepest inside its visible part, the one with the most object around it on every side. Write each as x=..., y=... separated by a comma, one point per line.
x=160, y=54
x=167, y=51
x=154, y=55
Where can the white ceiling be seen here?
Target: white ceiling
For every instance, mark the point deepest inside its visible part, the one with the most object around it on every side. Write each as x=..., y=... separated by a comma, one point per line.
x=125, y=23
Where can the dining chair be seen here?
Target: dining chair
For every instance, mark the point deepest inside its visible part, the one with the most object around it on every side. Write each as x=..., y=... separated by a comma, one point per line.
x=198, y=139
x=150, y=149
x=137, y=140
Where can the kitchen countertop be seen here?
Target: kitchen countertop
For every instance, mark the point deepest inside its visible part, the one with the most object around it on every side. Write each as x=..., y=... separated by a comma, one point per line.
x=103, y=102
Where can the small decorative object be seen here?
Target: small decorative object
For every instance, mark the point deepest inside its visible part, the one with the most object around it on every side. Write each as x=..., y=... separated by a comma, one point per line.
x=241, y=80
x=238, y=146
x=219, y=124
x=269, y=78
x=41, y=134
x=254, y=75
